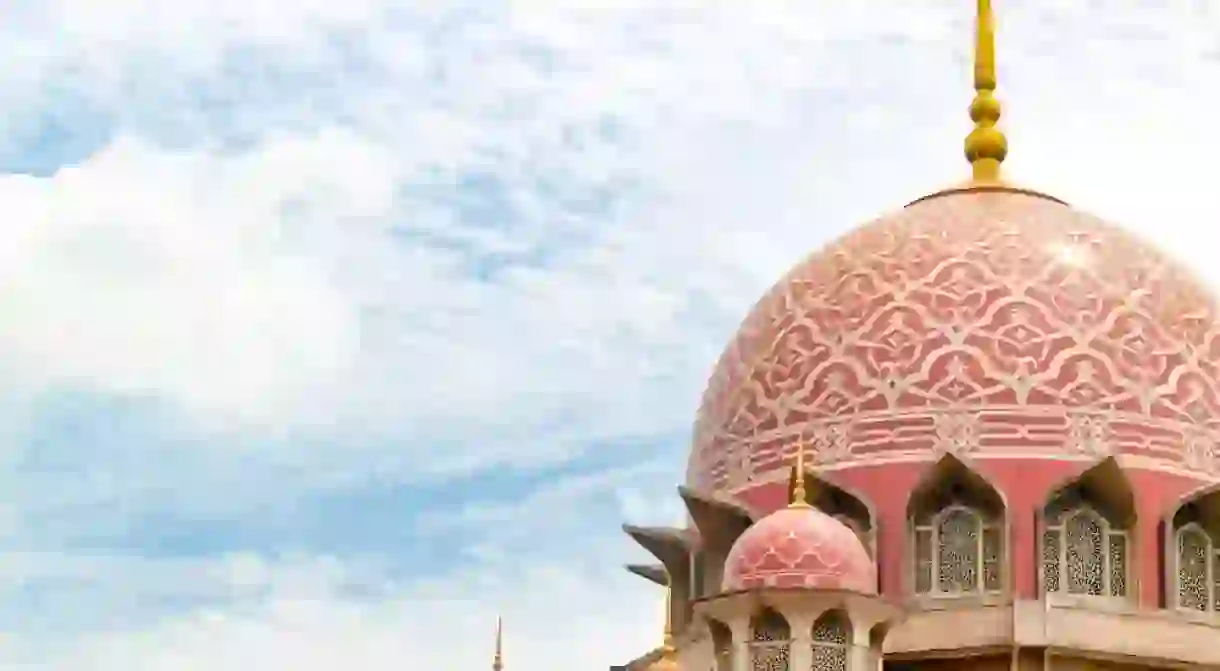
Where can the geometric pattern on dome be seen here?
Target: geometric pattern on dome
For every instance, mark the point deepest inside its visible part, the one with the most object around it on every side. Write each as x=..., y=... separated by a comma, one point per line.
x=799, y=548
x=957, y=319
x=1200, y=451
x=956, y=433
x=1089, y=434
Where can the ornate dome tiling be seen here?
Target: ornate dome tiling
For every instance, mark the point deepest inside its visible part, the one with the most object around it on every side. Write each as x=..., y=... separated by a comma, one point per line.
x=985, y=320
x=799, y=547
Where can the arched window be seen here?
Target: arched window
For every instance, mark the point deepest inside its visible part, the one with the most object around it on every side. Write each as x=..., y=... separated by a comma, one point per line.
x=957, y=532
x=1086, y=537
x=830, y=639
x=862, y=532
x=840, y=504
x=1198, y=569
x=770, y=642
x=1083, y=554
x=957, y=551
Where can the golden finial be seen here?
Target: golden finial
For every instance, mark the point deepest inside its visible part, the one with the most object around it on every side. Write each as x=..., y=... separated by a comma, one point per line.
x=668, y=661
x=986, y=146
x=497, y=662
x=799, y=495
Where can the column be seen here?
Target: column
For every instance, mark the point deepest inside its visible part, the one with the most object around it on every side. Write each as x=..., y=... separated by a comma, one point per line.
x=860, y=654
x=1144, y=553
x=741, y=644
x=1021, y=563
x=800, y=652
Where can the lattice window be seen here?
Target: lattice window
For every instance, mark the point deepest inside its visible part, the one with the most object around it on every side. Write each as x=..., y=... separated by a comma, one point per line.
x=991, y=557
x=1117, y=568
x=1051, y=559
x=1198, y=570
x=770, y=642
x=1215, y=581
x=830, y=640
x=1083, y=554
x=958, y=552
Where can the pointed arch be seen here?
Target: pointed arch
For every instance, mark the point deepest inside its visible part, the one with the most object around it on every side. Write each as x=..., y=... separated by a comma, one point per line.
x=876, y=638
x=1087, y=524
x=1193, y=554
x=770, y=641
x=672, y=547
x=831, y=639
x=719, y=519
x=957, y=522
x=841, y=503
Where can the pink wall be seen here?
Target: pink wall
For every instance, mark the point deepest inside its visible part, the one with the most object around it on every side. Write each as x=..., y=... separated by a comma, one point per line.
x=1025, y=485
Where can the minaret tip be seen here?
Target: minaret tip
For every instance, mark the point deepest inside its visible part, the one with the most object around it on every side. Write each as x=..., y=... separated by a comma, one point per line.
x=668, y=660
x=800, y=497
x=497, y=662
x=986, y=146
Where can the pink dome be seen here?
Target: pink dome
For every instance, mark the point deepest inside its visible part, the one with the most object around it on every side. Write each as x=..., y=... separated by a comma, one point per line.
x=982, y=320
x=799, y=547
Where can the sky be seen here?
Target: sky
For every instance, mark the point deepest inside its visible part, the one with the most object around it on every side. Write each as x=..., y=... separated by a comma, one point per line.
x=332, y=329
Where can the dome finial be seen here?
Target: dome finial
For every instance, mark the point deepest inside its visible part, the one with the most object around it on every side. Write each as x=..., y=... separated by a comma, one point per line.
x=986, y=146
x=497, y=662
x=799, y=495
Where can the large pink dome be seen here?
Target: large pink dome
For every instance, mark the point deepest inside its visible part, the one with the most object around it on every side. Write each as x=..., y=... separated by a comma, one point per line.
x=976, y=319
x=799, y=547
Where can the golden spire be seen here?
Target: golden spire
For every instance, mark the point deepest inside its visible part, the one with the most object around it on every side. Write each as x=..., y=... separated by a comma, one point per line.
x=986, y=146
x=497, y=662
x=668, y=661
x=799, y=495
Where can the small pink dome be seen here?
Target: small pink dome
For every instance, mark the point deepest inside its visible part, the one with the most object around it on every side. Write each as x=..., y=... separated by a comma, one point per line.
x=799, y=547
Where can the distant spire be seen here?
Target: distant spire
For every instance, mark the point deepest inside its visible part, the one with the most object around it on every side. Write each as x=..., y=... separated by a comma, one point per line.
x=668, y=660
x=986, y=146
x=800, y=498
x=497, y=662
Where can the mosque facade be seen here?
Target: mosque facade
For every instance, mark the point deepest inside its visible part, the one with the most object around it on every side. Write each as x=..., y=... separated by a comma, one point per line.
x=980, y=432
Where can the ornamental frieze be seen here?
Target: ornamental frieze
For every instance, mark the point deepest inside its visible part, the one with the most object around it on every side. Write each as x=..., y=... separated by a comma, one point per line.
x=1200, y=451
x=1089, y=434
x=957, y=433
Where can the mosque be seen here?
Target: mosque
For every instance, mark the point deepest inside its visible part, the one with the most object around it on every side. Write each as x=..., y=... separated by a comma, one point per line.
x=980, y=432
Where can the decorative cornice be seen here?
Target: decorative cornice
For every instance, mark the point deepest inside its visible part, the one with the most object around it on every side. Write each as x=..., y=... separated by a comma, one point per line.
x=654, y=573
x=671, y=546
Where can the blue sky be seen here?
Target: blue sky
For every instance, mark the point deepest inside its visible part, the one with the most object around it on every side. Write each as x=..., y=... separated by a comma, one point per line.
x=331, y=330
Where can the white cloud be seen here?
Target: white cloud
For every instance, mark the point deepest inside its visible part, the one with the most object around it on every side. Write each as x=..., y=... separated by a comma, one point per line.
x=199, y=30
x=326, y=615
x=144, y=273
x=320, y=634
